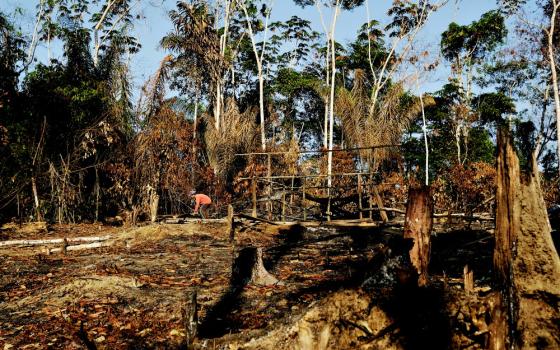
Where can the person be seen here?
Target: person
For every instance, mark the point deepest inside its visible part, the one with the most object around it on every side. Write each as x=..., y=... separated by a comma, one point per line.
x=202, y=202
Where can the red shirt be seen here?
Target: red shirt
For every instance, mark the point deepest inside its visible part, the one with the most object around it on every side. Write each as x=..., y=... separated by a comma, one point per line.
x=201, y=199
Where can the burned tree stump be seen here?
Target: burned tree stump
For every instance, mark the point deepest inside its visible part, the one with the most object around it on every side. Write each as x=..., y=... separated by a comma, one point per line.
x=418, y=226
x=248, y=268
x=526, y=263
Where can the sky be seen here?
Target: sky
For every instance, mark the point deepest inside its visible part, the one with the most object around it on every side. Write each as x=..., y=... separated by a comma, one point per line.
x=156, y=24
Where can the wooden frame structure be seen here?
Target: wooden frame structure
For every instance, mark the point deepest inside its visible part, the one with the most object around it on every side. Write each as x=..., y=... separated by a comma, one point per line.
x=363, y=181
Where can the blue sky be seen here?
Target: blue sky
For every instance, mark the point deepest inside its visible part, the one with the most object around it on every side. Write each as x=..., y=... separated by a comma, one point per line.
x=156, y=23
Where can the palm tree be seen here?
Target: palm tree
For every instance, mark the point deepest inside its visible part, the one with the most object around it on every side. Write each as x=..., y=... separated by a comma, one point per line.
x=381, y=128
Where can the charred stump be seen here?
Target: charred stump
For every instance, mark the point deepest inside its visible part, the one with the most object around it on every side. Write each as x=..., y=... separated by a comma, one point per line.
x=418, y=226
x=526, y=263
x=248, y=268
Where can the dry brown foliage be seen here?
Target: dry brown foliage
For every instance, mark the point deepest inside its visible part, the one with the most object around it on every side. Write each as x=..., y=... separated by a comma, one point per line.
x=385, y=126
x=238, y=134
x=465, y=187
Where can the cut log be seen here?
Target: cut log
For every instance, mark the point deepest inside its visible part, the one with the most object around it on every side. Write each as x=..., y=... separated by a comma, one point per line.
x=418, y=226
x=248, y=217
x=28, y=242
x=248, y=268
x=82, y=247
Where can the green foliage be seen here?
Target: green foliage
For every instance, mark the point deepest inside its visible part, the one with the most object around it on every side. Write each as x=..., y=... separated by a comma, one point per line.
x=406, y=16
x=493, y=106
x=472, y=42
x=345, y=4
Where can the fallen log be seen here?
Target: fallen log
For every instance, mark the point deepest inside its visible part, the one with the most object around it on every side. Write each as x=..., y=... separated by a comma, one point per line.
x=252, y=218
x=439, y=215
x=394, y=210
x=80, y=247
x=28, y=242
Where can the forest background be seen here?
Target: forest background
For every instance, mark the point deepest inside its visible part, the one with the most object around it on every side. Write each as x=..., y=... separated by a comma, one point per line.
x=107, y=107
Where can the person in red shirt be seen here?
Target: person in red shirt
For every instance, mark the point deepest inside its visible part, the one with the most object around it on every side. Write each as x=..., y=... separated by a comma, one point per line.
x=202, y=202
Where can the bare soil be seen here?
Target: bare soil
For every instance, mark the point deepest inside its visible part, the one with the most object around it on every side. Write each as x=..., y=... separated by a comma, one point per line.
x=343, y=288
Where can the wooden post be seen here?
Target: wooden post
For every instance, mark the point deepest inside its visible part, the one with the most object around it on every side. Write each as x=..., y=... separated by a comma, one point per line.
x=418, y=226
x=329, y=204
x=303, y=204
x=254, y=196
x=269, y=174
x=64, y=246
x=96, y=186
x=191, y=318
x=468, y=279
x=231, y=223
x=284, y=206
x=370, y=203
x=380, y=204
x=370, y=200
x=360, y=208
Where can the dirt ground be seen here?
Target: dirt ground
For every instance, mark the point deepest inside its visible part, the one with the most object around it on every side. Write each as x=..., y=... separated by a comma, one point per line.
x=344, y=288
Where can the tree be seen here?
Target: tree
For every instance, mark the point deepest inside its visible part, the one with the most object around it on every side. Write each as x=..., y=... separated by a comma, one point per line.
x=466, y=47
x=265, y=12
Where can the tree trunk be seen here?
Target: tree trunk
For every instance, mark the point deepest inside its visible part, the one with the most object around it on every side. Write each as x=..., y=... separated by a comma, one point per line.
x=38, y=215
x=418, y=226
x=507, y=207
x=261, y=108
x=526, y=262
x=552, y=63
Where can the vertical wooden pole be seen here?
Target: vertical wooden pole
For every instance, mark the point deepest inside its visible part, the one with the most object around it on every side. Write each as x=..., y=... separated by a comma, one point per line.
x=231, y=223
x=468, y=279
x=380, y=204
x=269, y=174
x=418, y=226
x=96, y=195
x=303, y=204
x=360, y=208
x=329, y=205
x=254, y=195
x=284, y=206
x=370, y=203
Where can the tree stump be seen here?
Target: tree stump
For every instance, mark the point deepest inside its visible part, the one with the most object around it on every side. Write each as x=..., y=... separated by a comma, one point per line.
x=418, y=226
x=154, y=204
x=526, y=263
x=248, y=268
